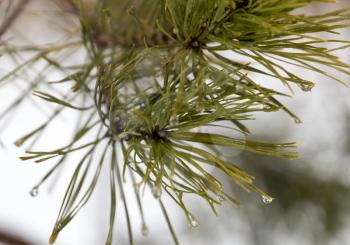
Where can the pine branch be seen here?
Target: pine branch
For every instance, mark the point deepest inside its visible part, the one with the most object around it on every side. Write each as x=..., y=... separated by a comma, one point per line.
x=156, y=75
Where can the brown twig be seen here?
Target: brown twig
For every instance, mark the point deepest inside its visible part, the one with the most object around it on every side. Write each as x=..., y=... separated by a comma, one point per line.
x=15, y=13
x=11, y=239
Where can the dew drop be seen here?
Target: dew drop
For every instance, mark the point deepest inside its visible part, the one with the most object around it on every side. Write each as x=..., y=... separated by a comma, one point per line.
x=157, y=191
x=142, y=106
x=34, y=191
x=266, y=199
x=297, y=121
x=307, y=86
x=19, y=142
x=193, y=223
x=144, y=230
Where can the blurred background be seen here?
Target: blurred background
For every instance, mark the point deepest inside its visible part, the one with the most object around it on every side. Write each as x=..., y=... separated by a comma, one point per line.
x=312, y=201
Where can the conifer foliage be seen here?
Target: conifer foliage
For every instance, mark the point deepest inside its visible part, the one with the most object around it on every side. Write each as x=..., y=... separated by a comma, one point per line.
x=158, y=72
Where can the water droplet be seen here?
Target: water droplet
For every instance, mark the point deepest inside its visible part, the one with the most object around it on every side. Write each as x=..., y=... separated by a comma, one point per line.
x=34, y=191
x=157, y=191
x=142, y=106
x=266, y=199
x=297, y=121
x=193, y=223
x=306, y=86
x=144, y=230
x=19, y=142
